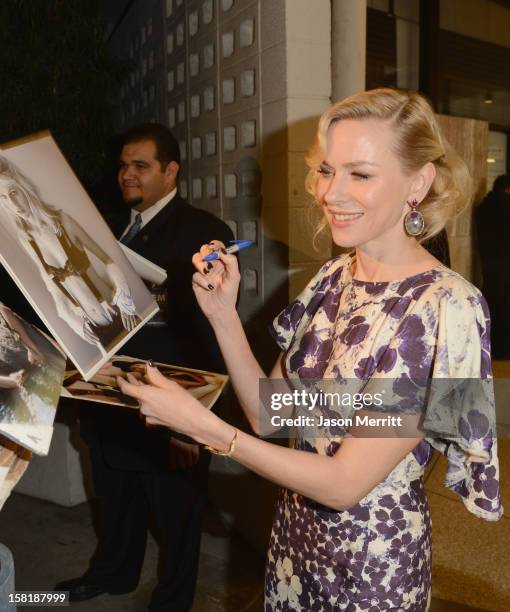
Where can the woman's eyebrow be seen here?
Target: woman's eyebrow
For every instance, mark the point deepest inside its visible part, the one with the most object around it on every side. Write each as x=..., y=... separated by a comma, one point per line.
x=360, y=162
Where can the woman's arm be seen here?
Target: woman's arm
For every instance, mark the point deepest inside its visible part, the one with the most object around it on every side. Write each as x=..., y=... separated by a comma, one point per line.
x=215, y=288
x=122, y=297
x=337, y=482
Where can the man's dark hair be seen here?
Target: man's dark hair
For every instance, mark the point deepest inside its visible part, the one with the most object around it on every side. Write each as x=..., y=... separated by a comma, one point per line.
x=167, y=147
x=501, y=184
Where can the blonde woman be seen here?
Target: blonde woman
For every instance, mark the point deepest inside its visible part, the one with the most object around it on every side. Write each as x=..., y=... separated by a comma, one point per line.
x=352, y=525
x=97, y=309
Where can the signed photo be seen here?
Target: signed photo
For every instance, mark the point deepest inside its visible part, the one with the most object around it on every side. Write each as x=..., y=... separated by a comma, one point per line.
x=63, y=256
x=102, y=387
x=31, y=373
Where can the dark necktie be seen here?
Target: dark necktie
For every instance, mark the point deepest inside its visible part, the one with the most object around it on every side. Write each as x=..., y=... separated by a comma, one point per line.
x=133, y=230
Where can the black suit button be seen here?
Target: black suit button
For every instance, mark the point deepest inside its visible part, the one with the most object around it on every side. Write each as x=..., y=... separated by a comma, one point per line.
x=145, y=237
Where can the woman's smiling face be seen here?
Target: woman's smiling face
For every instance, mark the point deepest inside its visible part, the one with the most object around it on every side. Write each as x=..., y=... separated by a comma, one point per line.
x=361, y=183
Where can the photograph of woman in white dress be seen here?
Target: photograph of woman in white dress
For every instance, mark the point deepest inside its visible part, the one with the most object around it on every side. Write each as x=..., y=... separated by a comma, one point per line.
x=95, y=307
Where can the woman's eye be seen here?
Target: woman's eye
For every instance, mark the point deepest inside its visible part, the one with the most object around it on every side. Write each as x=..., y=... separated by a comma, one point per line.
x=325, y=171
x=13, y=192
x=360, y=176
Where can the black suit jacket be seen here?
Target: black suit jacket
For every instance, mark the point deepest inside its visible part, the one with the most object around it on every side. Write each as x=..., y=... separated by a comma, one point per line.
x=169, y=240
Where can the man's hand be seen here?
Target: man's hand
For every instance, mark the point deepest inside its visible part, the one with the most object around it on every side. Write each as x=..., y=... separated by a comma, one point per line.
x=182, y=455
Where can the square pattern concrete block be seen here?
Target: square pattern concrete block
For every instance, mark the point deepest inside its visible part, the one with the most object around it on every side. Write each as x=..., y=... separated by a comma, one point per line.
x=248, y=133
x=194, y=64
x=211, y=188
x=171, y=80
x=230, y=185
x=208, y=56
x=197, y=189
x=246, y=33
x=169, y=8
x=229, y=90
x=171, y=117
x=180, y=73
x=196, y=148
x=183, y=188
x=207, y=12
x=227, y=44
x=179, y=34
x=183, y=150
x=247, y=83
x=229, y=138
x=210, y=144
x=170, y=43
x=208, y=98
x=250, y=281
x=226, y=5
x=181, y=112
x=250, y=230
x=195, y=106
x=193, y=23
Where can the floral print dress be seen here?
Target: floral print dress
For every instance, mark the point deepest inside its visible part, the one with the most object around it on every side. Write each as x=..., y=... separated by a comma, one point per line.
x=377, y=555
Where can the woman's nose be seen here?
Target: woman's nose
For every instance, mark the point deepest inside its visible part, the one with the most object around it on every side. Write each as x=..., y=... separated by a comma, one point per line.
x=337, y=190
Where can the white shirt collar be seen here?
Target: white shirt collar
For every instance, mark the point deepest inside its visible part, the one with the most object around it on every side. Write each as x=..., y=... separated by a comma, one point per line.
x=149, y=213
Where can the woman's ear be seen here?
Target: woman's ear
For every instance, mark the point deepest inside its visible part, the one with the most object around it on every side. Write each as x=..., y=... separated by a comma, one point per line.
x=422, y=182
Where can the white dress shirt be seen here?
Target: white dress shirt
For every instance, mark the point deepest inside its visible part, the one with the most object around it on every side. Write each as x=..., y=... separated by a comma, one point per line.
x=149, y=214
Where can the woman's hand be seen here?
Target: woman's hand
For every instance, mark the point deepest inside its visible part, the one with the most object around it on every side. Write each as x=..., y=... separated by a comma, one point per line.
x=124, y=302
x=216, y=283
x=164, y=402
x=123, y=298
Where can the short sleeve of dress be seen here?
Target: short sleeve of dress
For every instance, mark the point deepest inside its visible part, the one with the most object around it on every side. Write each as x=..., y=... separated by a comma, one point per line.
x=467, y=437
x=297, y=314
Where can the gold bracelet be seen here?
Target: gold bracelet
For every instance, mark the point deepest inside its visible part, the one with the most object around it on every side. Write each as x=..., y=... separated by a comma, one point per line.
x=227, y=453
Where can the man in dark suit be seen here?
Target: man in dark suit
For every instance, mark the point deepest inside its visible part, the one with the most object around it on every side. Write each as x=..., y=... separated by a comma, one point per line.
x=138, y=471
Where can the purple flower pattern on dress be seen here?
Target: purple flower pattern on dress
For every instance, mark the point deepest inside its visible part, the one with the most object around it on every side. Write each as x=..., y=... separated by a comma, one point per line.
x=375, y=556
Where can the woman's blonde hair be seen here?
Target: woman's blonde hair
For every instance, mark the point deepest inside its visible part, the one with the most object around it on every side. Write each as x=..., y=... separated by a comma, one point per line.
x=42, y=215
x=418, y=140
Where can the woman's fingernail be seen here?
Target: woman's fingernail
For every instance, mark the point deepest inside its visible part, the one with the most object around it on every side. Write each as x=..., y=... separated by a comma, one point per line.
x=211, y=287
x=209, y=265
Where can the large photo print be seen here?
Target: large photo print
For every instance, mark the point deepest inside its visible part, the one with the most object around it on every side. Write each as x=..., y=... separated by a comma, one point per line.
x=103, y=387
x=31, y=374
x=63, y=256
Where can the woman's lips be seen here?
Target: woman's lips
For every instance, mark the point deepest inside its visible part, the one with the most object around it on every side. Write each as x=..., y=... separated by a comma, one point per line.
x=341, y=219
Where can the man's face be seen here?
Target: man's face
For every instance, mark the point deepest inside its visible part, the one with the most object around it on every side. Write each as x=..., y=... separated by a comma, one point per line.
x=141, y=179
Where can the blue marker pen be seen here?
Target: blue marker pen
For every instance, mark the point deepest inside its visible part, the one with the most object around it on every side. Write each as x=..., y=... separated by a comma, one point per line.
x=237, y=245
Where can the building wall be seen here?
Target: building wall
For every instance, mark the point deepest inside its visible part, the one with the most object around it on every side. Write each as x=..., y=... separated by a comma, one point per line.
x=241, y=83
